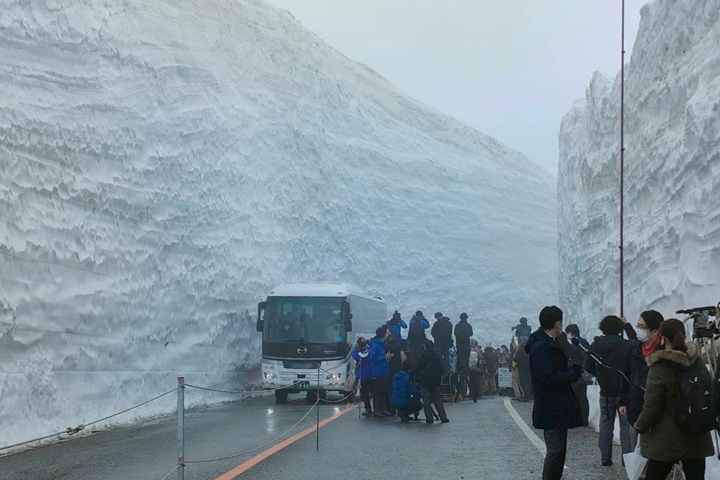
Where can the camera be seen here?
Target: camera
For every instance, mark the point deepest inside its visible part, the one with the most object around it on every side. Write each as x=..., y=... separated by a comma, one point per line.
x=701, y=316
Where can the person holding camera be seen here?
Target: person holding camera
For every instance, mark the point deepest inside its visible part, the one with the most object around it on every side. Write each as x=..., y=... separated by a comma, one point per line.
x=556, y=408
x=522, y=329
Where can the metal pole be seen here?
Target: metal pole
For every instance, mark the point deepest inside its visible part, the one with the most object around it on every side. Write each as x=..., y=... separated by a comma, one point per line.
x=181, y=428
x=317, y=407
x=622, y=165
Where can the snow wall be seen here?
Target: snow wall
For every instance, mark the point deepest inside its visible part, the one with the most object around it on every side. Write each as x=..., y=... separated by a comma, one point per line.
x=672, y=128
x=672, y=174
x=163, y=164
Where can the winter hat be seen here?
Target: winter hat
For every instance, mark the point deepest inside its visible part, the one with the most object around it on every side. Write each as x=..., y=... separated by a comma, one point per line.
x=438, y=315
x=396, y=316
x=381, y=332
x=463, y=316
x=418, y=314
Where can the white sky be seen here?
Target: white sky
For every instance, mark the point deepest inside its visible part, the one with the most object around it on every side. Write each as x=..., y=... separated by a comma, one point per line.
x=510, y=68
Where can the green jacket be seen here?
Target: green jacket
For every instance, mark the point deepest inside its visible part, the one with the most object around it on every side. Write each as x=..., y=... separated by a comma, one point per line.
x=662, y=440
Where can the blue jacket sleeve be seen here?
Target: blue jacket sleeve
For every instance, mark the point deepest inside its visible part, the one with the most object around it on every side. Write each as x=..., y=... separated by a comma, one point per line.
x=543, y=368
x=377, y=353
x=424, y=324
x=403, y=324
x=355, y=354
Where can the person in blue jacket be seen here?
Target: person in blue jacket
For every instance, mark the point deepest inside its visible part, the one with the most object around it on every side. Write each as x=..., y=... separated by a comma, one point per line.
x=363, y=372
x=381, y=371
x=395, y=325
x=405, y=395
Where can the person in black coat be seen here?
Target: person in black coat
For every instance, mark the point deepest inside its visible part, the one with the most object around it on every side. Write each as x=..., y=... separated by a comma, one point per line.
x=442, y=332
x=428, y=372
x=556, y=408
x=463, y=332
x=612, y=350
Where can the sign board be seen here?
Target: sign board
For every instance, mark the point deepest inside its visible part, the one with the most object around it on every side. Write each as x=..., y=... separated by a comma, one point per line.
x=504, y=378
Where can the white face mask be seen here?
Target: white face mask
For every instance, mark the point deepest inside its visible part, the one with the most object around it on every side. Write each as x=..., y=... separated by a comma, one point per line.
x=643, y=336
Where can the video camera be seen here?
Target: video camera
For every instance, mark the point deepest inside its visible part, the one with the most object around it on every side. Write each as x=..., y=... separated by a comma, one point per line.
x=701, y=316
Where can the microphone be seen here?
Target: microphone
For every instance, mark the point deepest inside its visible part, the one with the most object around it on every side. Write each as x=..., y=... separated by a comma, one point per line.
x=576, y=341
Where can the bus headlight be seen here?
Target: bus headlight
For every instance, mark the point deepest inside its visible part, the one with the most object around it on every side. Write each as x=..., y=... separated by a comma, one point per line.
x=270, y=376
x=334, y=376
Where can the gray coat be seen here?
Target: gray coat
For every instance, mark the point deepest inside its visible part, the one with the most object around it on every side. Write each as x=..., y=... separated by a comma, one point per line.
x=662, y=440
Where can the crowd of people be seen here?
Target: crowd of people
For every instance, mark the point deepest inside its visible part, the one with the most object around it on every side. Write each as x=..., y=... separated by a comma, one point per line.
x=404, y=376
x=655, y=381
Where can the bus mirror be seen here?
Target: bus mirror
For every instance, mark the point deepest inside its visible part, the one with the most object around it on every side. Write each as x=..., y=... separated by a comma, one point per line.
x=260, y=325
x=348, y=323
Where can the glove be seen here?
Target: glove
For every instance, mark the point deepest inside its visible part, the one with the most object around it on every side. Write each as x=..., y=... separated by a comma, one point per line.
x=578, y=371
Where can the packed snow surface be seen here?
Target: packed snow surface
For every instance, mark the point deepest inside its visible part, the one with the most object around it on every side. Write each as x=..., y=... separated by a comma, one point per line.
x=672, y=175
x=164, y=164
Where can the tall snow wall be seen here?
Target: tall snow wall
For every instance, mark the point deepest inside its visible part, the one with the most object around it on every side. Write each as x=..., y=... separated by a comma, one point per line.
x=672, y=174
x=163, y=164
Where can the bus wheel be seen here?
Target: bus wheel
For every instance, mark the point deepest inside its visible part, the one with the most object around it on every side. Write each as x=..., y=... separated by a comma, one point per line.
x=281, y=397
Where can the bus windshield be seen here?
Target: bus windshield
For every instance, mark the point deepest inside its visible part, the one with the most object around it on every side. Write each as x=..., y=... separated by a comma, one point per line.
x=304, y=319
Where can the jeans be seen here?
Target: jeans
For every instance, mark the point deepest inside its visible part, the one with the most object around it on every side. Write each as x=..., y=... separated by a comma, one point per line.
x=366, y=389
x=556, y=444
x=608, y=410
x=430, y=397
x=694, y=469
x=381, y=387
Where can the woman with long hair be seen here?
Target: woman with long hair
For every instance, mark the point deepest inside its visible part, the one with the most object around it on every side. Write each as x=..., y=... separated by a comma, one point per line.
x=662, y=441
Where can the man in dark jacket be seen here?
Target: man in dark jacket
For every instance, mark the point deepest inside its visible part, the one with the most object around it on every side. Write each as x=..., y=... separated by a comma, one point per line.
x=523, y=329
x=556, y=409
x=405, y=396
x=463, y=332
x=381, y=371
x=577, y=357
x=416, y=336
x=611, y=349
x=643, y=344
x=491, y=369
x=442, y=331
x=428, y=372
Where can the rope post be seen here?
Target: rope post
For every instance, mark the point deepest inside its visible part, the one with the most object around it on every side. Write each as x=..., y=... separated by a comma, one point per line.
x=181, y=428
x=317, y=423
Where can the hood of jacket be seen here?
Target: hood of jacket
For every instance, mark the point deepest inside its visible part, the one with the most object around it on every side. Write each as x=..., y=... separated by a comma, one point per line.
x=676, y=356
x=607, y=343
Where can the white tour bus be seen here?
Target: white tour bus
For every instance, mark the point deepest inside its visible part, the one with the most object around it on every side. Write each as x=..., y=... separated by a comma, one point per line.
x=308, y=331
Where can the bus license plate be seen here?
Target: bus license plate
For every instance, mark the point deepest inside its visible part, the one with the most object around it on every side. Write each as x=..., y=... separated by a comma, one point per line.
x=302, y=385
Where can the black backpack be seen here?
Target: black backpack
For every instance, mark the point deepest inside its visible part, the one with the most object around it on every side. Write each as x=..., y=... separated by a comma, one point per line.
x=415, y=331
x=695, y=408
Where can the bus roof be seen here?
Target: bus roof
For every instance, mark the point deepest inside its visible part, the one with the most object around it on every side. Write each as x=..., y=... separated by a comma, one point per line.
x=319, y=289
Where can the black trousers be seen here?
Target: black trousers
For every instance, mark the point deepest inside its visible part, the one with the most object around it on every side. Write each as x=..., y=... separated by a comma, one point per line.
x=556, y=444
x=463, y=356
x=694, y=469
x=580, y=389
x=380, y=394
x=413, y=408
x=475, y=383
x=366, y=389
x=526, y=383
x=430, y=397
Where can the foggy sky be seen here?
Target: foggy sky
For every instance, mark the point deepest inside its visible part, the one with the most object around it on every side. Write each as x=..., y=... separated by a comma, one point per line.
x=510, y=68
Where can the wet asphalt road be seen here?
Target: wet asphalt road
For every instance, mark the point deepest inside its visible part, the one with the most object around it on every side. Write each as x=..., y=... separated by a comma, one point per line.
x=482, y=441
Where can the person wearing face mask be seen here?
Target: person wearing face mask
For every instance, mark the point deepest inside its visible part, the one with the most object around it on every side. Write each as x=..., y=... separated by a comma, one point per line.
x=669, y=437
x=644, y=342
x=556, y=408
